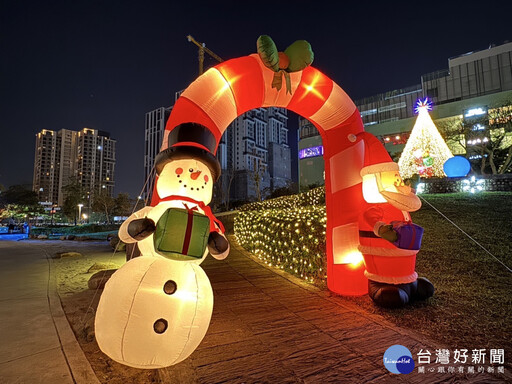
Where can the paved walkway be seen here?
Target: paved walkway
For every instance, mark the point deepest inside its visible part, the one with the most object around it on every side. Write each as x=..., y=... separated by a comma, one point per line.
x=37, y=343
x=269, y=328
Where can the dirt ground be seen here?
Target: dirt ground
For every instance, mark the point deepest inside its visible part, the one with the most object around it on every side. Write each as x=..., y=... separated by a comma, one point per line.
x=80, y=303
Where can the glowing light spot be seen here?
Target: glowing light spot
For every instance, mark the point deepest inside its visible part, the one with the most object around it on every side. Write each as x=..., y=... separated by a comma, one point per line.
x=353, y=258
x=473, y=185
x=423, y=105
x=310, y=88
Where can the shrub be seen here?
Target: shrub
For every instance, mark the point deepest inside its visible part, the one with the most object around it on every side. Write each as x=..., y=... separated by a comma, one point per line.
x=78, y=229
x=313, y=197
x=292, y=239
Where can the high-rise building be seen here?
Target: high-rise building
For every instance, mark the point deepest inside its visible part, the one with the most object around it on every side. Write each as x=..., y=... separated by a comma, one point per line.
x=96, y=158
x=44, y=181
x=253, y=152
x=66, y=154
x=87, y=156
x=153, y=134
x=254, y=155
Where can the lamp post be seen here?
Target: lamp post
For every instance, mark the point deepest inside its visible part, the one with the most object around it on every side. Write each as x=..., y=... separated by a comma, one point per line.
x=80, y=211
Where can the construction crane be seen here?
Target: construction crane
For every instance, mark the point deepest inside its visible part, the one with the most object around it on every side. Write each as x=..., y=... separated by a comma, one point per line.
x=202, y=50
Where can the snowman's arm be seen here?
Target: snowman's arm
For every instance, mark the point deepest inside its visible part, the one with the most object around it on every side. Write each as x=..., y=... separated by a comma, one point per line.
x=126, y=232
x=218, y=245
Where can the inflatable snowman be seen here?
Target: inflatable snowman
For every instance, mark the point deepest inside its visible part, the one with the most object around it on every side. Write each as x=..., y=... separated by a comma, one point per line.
x=156, y=309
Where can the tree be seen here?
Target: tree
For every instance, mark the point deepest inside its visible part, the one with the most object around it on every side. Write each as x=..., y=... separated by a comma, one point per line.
x=138, y=204
x=500, y=124
x=425, y=152
x=289, y=189
x=123, y=205
x=74, y=195
x=257, y=177
x=20, y=203
x=486, y=140
x=18, y=194
x=104, y=203
x=258, y=173
x=222, y=188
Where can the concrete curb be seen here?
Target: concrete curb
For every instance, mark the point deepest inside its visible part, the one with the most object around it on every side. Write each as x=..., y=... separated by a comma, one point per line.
x=79, y=366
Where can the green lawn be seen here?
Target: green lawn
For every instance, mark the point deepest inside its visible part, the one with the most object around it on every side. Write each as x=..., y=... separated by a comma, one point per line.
x=471, y=307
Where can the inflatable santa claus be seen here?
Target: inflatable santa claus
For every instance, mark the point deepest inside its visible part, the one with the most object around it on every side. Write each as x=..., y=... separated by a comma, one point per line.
x=389, y=241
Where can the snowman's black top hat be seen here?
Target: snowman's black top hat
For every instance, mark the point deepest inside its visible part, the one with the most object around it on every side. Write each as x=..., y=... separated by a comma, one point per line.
x=190, y=140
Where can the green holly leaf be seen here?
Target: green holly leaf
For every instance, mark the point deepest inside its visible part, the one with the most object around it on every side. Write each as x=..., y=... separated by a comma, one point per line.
x=268, y=52
x=300, y=55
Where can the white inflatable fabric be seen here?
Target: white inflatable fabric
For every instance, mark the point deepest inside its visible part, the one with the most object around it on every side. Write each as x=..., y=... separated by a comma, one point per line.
x=154, y=312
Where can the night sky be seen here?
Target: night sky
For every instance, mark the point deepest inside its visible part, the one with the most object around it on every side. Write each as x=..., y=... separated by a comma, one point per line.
x=104, y=64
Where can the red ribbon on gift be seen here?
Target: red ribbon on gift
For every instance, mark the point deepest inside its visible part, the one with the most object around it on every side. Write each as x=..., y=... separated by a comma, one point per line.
x=215, y=224
x=408, y=223
x=188, y=231
x=413, y=240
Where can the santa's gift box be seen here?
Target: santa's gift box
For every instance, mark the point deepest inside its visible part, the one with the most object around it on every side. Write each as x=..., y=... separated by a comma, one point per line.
x=409, y=235
x=182, y=234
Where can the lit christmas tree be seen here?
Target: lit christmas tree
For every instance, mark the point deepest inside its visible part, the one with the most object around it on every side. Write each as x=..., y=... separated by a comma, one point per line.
x=425, y=151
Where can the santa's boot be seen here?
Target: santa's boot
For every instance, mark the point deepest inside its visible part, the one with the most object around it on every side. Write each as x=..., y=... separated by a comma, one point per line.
x=389, y=295
x=424, y=290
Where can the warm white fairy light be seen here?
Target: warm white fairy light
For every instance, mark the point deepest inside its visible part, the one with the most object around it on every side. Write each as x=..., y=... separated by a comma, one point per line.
x=424, y=138
x=287, y=233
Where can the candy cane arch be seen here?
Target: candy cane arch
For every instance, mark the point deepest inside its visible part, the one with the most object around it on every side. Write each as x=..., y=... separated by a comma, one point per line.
x=236, y=86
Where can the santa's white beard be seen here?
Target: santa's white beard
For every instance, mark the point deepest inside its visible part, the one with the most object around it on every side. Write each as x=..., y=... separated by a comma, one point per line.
x=408, y=203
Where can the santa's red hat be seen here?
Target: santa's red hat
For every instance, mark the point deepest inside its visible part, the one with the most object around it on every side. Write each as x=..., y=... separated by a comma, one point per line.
x=376, y=158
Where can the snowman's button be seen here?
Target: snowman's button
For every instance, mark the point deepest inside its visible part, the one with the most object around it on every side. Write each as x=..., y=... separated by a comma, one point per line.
x=160, y=326
x=170, y=287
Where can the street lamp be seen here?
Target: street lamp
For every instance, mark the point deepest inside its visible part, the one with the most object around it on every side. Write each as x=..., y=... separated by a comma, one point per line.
x=80, y=211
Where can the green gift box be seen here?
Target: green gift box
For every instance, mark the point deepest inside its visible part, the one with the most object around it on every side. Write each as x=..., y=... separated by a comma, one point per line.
x=182, y=234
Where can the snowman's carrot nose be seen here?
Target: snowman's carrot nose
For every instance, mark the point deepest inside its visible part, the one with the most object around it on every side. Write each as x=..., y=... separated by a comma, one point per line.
x=195, y=175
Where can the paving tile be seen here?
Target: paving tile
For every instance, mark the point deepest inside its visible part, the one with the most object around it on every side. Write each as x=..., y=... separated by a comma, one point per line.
x=268, y=329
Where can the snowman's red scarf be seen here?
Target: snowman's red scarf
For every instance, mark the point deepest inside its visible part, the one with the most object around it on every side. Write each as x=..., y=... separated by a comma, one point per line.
x=207, y=211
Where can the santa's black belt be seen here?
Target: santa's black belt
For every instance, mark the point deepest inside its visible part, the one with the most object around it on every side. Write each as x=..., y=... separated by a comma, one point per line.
x=369, y=234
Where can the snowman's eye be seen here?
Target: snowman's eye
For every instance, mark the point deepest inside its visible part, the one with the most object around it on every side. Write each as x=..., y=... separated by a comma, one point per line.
x=179, y=171
x=191, y=170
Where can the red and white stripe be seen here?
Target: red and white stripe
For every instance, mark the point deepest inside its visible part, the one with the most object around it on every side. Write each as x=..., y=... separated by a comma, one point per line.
x=239, y=85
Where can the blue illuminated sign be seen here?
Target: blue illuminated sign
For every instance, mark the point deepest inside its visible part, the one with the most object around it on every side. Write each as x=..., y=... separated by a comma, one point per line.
x=475, y=112
x=311, y=152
